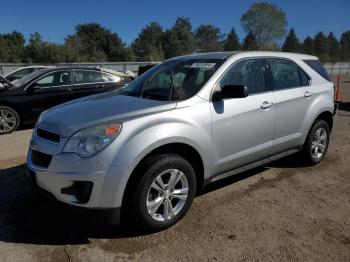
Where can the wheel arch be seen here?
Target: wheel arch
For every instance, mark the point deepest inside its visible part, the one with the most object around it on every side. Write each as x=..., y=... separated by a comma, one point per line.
x=181, y=149
x=326, y=116
x=14, y=107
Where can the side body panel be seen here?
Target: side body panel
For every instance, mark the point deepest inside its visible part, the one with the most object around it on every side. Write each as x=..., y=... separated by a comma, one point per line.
x=242, y=131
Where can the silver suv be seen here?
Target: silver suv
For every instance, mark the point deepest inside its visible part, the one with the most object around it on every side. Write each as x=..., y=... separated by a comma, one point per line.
x=146, y=150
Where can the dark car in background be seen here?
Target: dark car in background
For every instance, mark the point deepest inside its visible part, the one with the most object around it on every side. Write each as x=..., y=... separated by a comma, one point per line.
x=23, y=100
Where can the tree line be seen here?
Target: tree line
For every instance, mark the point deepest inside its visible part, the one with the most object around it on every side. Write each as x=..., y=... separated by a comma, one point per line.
x=264, y=23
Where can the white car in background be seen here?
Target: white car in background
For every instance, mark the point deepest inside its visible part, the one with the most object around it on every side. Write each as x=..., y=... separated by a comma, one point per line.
x=20, y=72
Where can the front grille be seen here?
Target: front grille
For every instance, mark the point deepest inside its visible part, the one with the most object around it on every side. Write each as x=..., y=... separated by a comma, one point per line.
x=40, y=159
x=48, y=135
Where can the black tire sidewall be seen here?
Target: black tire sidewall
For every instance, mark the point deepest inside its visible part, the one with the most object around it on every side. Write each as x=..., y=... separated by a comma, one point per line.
x=318, y=124
x=16, y=116
x=140, y=212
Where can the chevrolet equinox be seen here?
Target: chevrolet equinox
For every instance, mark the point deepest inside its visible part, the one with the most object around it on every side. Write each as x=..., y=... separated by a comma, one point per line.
x=145, y=150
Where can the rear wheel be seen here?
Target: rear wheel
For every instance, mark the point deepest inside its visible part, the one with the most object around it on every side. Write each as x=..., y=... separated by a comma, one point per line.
x=165, y=193
x=316, y=144
x=9, y=120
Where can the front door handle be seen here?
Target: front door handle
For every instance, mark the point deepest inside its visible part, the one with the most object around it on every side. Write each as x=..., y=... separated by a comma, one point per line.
x=266, y=105
x=308, y=94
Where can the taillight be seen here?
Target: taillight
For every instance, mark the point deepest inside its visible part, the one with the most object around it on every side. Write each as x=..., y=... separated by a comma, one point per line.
x=336, y=89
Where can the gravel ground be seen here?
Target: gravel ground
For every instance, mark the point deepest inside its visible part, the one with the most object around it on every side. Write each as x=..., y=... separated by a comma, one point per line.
x=280, y=212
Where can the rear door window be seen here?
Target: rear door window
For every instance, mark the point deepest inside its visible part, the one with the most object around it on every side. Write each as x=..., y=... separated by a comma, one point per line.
x=247, y=73
x=318, y=67
x=87, y=76
x=284, y=73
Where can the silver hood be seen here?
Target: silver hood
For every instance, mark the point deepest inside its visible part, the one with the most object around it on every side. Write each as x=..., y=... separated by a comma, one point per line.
x=70, y=117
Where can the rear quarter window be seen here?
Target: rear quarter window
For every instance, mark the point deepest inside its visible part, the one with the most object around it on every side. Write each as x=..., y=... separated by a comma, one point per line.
x=318, y=67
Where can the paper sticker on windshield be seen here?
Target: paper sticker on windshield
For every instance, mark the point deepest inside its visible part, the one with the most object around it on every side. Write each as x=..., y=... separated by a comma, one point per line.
x=203, y=65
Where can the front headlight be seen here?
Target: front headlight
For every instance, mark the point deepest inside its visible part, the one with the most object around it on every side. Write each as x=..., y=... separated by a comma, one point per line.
x=92, y=140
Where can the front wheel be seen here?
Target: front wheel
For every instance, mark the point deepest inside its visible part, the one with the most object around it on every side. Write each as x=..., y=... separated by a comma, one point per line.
x=165, y=193
x=9, y=120
x=316, y=144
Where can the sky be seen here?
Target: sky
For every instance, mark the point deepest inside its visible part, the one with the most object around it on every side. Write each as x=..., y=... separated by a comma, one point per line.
x=54, y=20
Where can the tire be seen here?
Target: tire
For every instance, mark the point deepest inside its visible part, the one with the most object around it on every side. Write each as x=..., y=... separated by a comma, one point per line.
x=9, y=120
x=150, y=207
x=316, y=144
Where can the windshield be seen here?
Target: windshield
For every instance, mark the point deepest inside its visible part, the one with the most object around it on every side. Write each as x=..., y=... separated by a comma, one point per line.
x=27, y=78
x=173, y=80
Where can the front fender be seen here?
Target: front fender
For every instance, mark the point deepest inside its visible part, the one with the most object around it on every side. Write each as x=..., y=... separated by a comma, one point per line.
x=140, y=144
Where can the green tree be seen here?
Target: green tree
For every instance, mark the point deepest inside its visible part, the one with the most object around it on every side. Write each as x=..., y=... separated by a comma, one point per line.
x=266, y=22
x=35, y=49
x=232, y=41
x=308, y=46
x=39, y=51
x=208, y=38
x=321, y=46
x=71, y=48
x=333, y=48
x=97, y=43
x=179, y=40
x=345, y=46
x=148, y=45
x=4, y=58
x=12, y=47
x=291, y=44
x=249, y=43
x=130, y=55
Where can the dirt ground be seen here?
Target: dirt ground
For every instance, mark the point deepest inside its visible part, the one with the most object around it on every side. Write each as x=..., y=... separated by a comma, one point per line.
x=280, y=212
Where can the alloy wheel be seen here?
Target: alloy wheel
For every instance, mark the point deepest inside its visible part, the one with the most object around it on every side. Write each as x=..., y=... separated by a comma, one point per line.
x=319, y=143
x=167, y=195
x=8, y=121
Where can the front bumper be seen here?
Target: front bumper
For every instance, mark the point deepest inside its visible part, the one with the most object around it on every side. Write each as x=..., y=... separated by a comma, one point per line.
x=66, y=174
x=106, y=216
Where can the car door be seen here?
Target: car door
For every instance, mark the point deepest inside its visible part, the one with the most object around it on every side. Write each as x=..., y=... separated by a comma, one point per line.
x=89, y=82
x=242, y=128
x=289, y=84
x=47, y=91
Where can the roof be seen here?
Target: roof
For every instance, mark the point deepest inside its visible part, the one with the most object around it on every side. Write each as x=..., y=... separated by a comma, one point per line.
x=277, y=54
x=211, y=55
x=225, y=55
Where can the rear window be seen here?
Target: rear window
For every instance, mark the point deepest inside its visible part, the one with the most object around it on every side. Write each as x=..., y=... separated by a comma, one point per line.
x=318, y=67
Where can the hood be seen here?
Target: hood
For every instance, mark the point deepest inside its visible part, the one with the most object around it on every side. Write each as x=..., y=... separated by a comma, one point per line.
x=70, y=117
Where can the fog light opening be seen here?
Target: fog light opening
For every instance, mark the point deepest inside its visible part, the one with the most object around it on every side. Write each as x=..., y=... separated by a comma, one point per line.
x=80, y=189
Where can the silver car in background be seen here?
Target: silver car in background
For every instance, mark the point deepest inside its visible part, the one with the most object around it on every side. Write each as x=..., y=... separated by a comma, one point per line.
x=146, y=150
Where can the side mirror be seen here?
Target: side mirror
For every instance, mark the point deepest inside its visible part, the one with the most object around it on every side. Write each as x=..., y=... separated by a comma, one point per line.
x=231, y=91
x=32, y=88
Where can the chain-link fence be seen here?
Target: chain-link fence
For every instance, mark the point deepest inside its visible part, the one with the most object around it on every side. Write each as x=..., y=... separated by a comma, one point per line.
x=338, y=68
x=332, y=68
x=118, y=66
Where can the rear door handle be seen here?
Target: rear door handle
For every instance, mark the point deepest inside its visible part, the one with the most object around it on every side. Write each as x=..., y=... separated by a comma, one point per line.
x=308, y=94
x=266, y=105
